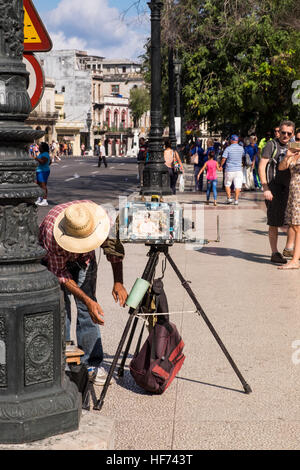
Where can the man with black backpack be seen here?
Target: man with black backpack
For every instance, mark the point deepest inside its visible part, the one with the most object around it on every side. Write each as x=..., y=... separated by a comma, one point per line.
x=141, y=159
x=275, y=185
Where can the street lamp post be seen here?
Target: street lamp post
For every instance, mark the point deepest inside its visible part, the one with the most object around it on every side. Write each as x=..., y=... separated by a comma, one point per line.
x=36, y=399
x=177, y=71
x=89, y=125
x=156, y=178
x=172, y=132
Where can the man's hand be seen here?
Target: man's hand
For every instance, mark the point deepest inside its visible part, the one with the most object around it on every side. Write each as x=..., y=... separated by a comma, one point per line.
x=119, y=293
x=95, y=312
x=268, y=195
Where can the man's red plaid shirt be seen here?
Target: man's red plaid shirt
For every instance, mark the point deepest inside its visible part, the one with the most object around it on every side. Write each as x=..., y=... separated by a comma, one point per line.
x=57, y=258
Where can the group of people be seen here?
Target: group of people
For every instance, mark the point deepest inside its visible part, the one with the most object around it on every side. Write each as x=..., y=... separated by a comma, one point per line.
x=279, y=172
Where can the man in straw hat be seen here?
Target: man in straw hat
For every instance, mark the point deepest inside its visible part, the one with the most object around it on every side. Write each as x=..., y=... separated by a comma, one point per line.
x=70, y=233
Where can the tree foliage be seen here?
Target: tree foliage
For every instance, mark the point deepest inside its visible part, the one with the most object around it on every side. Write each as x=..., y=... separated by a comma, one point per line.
x=240, y=59
x=139, y=103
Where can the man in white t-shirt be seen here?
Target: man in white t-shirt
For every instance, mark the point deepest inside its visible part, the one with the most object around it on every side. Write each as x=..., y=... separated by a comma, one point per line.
x=233, y=156
x=102, y=155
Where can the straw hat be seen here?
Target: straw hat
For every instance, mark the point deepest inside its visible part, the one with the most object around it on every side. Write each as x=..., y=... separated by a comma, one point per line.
x=81, y=227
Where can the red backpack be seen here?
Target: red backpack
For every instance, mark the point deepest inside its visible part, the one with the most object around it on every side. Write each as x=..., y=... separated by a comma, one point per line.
x=159, y=360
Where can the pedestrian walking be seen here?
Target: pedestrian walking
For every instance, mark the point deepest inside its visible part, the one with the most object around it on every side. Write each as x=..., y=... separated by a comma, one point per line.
x=197, y=157
x=102, y=155
x=43, y=172
x=276, y=189
x=174, y=164
x=292, y=162
x=211, y=167
x=233, y=157
x=141, y=159
x=54, y=151
x=69, y=234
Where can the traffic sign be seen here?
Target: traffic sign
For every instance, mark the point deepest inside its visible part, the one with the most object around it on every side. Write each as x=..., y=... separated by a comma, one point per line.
x=36, y=37
x=36, y=79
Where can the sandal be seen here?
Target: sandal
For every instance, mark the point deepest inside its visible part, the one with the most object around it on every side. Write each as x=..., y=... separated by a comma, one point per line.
x=289, y=266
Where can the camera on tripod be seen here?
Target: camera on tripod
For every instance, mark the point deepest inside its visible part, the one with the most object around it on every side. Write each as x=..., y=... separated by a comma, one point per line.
x=151, y=222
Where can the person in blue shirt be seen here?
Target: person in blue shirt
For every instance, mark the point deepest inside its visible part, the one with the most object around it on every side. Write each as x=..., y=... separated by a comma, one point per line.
x=199, y=158
x=233, y=156
x=252, y=150
x=43, y=171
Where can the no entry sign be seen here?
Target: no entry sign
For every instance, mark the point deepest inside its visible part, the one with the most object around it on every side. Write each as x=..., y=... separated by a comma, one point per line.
x=36, y=79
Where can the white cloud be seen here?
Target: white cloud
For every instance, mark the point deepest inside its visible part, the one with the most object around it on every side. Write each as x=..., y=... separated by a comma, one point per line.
x=94, y=26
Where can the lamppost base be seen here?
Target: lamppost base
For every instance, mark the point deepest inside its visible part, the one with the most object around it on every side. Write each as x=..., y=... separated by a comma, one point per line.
x=42, y=416
x=156, y=180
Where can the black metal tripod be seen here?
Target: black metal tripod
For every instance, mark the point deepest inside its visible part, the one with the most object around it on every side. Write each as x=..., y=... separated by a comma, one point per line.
x=148, y=275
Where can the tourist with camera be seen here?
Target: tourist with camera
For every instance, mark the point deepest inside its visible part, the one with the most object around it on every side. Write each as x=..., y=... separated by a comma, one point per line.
x=275, y=186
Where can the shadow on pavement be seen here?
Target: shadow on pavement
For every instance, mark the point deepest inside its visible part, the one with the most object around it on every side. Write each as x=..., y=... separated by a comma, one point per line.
x=254, y=257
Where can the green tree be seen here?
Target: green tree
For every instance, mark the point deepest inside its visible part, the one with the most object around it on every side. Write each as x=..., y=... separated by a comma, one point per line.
x=240, y=60
x=139, y=103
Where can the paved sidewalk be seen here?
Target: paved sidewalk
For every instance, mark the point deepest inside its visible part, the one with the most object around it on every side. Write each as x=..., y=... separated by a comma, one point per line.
x=255, y=309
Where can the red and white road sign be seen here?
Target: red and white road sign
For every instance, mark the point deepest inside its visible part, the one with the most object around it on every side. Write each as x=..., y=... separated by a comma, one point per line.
x=36, y=86
x=36, y=37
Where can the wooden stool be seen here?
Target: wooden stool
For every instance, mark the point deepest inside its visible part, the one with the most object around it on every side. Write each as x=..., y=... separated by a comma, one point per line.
x=73, y=354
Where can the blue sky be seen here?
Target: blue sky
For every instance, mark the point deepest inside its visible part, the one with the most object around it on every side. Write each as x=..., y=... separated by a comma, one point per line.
x=98, y=26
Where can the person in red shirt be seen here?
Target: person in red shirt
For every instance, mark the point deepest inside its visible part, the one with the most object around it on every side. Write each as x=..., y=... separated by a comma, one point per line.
x=70, y=233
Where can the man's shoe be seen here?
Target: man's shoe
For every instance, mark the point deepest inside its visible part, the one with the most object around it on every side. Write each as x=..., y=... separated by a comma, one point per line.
x=288, y=253
x=44, y=202
x=229, y=201
x=236, y=203
x=39, y=199
x=277, y=258
x=98, y=376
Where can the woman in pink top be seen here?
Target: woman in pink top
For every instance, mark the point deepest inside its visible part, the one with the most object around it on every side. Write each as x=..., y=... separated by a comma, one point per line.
x=171, y=157
x=211, y=166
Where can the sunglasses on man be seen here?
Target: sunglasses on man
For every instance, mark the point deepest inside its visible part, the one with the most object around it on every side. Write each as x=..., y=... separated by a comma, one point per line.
x=286, y=133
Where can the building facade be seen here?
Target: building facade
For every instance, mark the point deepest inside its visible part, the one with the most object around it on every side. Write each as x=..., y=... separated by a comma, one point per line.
x=93, y=84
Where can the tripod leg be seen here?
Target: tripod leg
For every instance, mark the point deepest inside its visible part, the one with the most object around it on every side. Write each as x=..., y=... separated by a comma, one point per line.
x=187, y=287
x=121, y=368
x=100, y=402
x=147, y=275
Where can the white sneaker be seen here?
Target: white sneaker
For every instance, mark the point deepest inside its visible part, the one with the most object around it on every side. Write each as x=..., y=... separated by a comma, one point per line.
x=229, y=201
x=44, y=202
x=236, y=203
x=39, y=199
x=98, y=376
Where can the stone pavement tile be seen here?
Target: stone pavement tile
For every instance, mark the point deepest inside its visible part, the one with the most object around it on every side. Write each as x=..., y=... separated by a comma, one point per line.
x=96, y=432
x=243, y=435
x=144, y=434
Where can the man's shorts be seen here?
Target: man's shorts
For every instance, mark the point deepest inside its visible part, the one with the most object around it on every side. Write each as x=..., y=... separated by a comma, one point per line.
x=235, y=177
x=42, y=176
x=277, y=207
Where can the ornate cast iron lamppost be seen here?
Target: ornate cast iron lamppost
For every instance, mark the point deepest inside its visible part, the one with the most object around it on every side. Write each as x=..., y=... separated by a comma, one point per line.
x=36, y=399
x=156, y=175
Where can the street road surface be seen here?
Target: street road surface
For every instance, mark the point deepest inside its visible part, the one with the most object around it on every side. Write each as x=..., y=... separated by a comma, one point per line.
x=80, y=178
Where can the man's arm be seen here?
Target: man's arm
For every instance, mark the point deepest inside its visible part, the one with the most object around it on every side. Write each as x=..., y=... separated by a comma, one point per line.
x=93, y=307
x=263, y=179
x=119, y=292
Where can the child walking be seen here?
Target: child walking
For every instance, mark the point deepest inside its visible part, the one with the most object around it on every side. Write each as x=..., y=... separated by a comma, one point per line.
x=211, y=166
